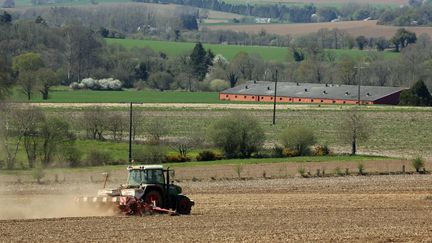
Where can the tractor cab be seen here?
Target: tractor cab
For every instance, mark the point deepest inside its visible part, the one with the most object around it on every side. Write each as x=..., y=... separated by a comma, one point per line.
x=146, y=174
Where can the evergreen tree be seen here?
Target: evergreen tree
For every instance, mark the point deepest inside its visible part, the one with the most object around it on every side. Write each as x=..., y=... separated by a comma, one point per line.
x=417, y=95
x=200, y=61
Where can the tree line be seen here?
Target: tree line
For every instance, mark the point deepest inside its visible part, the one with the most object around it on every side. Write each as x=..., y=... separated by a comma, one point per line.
x=414, y=13
x=36, y=56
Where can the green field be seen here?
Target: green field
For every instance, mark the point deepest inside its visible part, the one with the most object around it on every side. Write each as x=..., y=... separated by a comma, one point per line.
x=89, y=96
x=394, y=133
x=278, y=54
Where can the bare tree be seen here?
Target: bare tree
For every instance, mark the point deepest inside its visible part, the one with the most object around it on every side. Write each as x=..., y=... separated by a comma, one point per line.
x=94, y=122
x=155, y=130
x=137, y=124
x=11, y=132
x=31, y=118
x=117, y=125
x=354, y=128
x=184, y=144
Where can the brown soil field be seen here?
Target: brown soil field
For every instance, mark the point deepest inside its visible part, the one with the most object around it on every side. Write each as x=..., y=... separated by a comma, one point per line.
x=354, y=28
x=351, y=208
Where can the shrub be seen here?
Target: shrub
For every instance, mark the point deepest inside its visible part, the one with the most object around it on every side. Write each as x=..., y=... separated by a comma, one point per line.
x=338, y=171
x=277, y=152
x=151, y=154
x=219, y=85
x=299, y=139
x=237, y=135
x=286, y=152
x=98, y=157
x=260, y=155
x=208, y=155
x=239, y=169
x=177, y=158
x=360, y=168
x=418, y=163
x=321, y=150
x=301, y=170
x=72, y=156
x=38, y=173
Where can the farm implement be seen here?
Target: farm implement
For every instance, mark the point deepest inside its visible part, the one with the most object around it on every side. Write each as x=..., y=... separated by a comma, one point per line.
x=148, y=190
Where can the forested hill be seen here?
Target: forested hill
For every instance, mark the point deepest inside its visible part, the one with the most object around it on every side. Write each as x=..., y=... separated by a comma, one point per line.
x=416, y=13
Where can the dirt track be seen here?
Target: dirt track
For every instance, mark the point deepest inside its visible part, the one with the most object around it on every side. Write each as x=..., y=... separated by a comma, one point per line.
x=353, y=208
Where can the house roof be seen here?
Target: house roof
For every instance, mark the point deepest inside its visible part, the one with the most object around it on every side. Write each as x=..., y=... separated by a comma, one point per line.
x=311, y=90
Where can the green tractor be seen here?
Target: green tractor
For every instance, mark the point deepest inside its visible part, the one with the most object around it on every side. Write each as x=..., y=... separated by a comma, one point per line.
x=148, y=189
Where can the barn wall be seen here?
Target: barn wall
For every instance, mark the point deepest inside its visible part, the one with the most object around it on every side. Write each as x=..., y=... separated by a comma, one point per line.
x=392, y=99
x=236, y=97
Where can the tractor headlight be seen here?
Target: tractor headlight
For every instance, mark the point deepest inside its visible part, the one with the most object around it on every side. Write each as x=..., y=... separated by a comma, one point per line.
x=128, y=192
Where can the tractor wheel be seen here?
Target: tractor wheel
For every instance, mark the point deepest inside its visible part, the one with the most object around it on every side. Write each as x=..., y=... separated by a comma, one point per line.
x=184, y=205
x=153, y=196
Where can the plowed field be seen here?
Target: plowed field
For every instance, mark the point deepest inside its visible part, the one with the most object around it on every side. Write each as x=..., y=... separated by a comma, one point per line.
x=354, y=28
x=352, y=208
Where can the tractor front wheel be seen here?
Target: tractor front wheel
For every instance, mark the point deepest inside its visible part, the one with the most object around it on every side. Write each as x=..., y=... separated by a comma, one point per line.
x=184, y=205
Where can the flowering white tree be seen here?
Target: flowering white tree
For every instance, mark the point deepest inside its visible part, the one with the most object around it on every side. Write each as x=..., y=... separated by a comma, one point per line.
x=95, y=84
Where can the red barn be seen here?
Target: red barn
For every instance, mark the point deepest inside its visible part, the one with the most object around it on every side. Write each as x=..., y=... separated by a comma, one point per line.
x=263, y=91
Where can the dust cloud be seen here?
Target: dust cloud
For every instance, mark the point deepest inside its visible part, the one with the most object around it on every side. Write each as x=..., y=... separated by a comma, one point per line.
x=35, y=206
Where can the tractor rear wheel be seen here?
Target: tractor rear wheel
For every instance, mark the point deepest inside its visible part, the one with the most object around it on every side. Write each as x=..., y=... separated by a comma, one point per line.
x=184, y=205
x=155, y=196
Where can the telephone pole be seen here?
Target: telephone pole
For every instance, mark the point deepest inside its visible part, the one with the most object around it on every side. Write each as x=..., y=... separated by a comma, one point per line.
x=275, y=77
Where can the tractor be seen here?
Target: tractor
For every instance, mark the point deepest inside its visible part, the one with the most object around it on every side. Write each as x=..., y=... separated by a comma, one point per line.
x=148, y=190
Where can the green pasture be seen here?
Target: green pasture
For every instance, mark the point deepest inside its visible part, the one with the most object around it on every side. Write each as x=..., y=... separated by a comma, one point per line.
x=279, y=54
x=129, y=95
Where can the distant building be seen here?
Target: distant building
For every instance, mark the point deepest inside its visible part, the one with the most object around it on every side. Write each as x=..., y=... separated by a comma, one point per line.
x=263, y=91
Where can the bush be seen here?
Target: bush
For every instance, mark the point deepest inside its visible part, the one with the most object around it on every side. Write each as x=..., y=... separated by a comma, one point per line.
x=208, y=155
x=321, y=150
x=360, y=168
x=261, y=155
x=286, y=152
x=177, y=158
x=218, y=85
x=418, y=163
x=72, y=156
x=301, y=170
x=38, y=173
x=151, y=154
x=98, y=158
x=338, y=171
x=299, y=139
x=237, y=135
x=277, y=152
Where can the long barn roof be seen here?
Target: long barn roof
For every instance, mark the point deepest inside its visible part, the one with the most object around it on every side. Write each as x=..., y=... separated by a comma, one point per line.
x=313, y=91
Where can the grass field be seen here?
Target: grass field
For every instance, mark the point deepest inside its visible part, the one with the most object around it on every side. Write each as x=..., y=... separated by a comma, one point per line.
x=354, y=28
x=230, y=51
x=394, y=133
x=89, y=96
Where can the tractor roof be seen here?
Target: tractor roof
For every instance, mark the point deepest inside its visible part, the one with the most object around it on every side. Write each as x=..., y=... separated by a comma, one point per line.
x=145, y=167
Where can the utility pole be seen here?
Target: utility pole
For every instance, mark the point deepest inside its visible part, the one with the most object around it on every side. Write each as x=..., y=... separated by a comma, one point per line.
x=274, y=98
x=360, y=68
x=130, y=133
